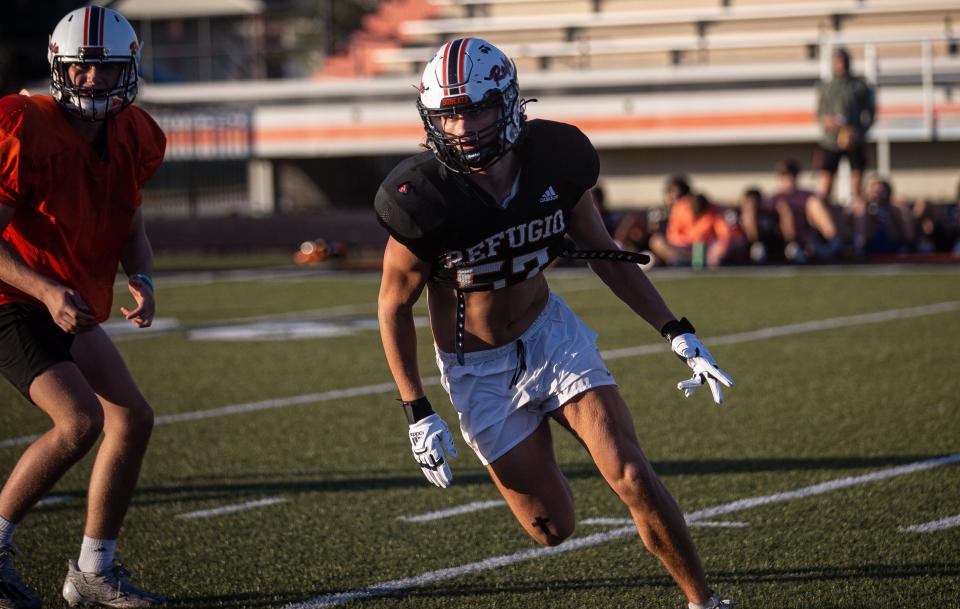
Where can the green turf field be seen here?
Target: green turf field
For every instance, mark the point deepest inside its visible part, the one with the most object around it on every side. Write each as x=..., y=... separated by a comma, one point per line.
x=861, y=398
x=168, y=263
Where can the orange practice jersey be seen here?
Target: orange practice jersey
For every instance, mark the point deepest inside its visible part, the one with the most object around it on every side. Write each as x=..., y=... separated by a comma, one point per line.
x=73, y=208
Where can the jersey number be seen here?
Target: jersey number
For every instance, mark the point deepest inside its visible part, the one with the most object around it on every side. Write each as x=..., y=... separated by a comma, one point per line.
x=491, y=275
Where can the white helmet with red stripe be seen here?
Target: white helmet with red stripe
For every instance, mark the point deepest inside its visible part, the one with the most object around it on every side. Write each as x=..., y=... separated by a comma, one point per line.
x=471, y=75
x=94, y=35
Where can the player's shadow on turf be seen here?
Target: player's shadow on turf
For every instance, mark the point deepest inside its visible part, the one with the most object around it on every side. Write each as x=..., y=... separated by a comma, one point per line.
x=188, y=489
x=834, y=573
x=585, y=468
x=331, y=481
x=538, y=587
x=793, y=575
x=237, y=601
x=779, y=464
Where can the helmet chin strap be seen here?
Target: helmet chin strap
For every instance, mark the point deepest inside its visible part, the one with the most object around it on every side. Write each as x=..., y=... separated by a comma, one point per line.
x=484, y=156
x=90, y=109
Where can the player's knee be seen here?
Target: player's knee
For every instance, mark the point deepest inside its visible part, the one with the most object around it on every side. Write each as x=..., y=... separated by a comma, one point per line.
x=78, y=433
x=139, y=418
x=635, y=485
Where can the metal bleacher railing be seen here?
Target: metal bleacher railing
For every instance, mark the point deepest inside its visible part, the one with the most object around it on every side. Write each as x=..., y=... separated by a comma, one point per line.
x=673, y=36
x=773, y=15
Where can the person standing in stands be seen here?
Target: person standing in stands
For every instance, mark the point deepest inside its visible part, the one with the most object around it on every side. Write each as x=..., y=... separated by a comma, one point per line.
x=846, y=108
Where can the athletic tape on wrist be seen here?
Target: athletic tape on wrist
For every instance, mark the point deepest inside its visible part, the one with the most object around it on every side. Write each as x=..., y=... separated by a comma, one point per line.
x=675, y=328
x=417, y=409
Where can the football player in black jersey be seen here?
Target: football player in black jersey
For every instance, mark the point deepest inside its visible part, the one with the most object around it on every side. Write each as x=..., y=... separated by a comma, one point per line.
x=476, y=219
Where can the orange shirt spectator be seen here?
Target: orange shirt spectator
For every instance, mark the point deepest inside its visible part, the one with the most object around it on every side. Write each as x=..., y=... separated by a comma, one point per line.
x=687, y=227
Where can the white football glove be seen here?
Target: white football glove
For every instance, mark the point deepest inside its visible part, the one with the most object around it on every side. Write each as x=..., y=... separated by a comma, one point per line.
x=429, y=438
x=689, y=348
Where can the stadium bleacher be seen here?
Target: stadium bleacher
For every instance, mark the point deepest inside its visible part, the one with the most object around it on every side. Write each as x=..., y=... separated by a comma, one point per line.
x=664, y=16
x=708, y=32
x=733, y=78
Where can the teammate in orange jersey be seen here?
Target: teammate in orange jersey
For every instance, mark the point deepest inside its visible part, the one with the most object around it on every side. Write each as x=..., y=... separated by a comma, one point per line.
x=71, y=170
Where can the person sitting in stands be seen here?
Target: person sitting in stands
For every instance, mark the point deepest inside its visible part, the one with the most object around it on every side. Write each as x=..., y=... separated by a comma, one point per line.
x=804, y=223
x=880, y=226
x=696, y=229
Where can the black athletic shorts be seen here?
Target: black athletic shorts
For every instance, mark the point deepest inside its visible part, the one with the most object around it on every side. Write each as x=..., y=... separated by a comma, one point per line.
x=29, y=344
x=828, y=160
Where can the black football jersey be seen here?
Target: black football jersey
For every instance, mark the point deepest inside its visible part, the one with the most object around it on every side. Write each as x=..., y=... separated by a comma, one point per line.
x=471, y=242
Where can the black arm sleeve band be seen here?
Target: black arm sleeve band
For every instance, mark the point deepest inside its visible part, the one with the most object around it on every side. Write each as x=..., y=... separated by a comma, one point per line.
x=417, y=409
x=675, y=328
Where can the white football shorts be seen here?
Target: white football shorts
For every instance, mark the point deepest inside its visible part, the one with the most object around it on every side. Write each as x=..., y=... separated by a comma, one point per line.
x=502, y=394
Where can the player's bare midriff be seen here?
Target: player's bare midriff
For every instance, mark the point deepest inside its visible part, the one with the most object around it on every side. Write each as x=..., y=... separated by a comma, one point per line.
x=493, y=318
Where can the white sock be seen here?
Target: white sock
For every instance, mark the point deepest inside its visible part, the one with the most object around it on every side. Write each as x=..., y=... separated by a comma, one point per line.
x=713, y=601
x=6, y=532
x=96, y=555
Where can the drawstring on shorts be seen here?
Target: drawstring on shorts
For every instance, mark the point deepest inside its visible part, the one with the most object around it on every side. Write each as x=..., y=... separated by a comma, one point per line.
x=521, y=364
x=461, y=322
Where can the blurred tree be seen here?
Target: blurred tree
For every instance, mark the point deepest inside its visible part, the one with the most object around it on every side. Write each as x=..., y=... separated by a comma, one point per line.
x=24, y=29
x=299, y=34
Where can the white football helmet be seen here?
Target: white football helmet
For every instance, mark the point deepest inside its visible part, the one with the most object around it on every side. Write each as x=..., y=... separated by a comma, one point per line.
x=470, y=75
x=94, y=35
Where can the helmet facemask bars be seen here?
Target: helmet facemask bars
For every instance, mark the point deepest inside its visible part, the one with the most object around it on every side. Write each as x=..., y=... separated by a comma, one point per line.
x=93, y=104
x=476, y=150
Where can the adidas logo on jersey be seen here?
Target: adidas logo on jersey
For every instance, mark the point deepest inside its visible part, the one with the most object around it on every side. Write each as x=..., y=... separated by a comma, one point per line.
x=549, y=195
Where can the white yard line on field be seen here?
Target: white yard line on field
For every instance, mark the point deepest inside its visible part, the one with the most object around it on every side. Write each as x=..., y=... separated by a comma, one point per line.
x=467, y=508
x=389, y=587
x=195, y=278
x=566, y=281
x=476, y=506
x=232, y=509
x=823, y=487
x=122, y=330
x=619, y=522
x=196, y=415
x=799, y=328
x=606, y=522
x=308, y=398
x=285, y=273
x=776, y=331
x=718, y=524
x=54, y=499
x=936, y=525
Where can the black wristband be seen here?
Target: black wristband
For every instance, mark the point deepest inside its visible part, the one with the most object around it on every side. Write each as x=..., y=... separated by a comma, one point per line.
x=417, y=409
x=675, y=328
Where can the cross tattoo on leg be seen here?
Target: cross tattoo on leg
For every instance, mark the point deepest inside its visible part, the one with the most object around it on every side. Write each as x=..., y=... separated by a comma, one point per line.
x=541, y=523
